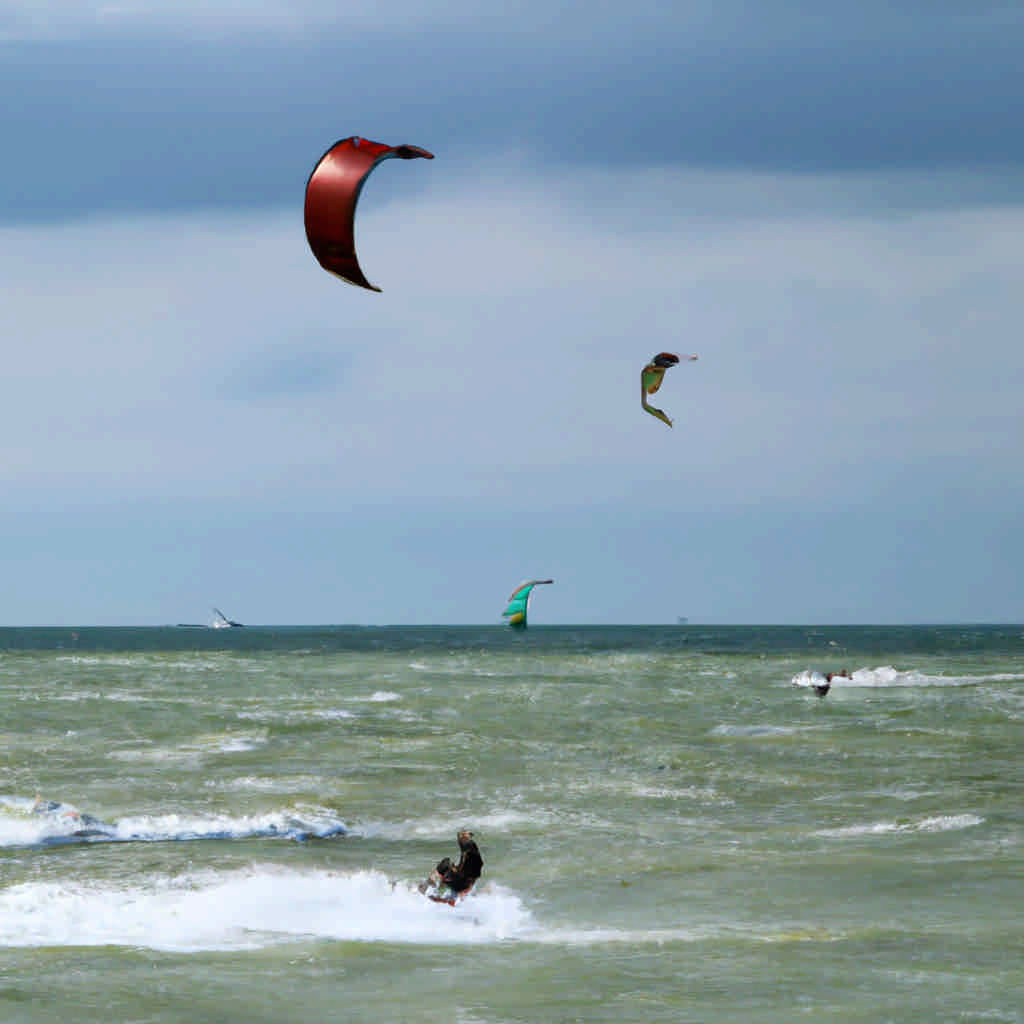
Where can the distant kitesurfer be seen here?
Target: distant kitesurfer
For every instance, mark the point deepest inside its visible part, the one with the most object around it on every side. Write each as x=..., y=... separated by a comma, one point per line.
x=85, y=825
x=822, y=688
x=461, y=877
x=56, y=808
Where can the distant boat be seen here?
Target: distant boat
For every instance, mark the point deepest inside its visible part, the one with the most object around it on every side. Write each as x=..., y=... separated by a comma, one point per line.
x=682, y=620
x=223, y=622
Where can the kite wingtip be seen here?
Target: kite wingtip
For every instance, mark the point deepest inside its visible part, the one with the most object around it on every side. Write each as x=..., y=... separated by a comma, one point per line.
x=407, y=152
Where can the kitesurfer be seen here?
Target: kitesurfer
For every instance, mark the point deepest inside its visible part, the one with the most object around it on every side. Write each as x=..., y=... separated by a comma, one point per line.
x=822, y=688
x=85, y=825
x=461, y=877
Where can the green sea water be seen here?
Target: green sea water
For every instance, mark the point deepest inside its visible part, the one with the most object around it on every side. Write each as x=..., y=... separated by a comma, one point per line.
x=228, y=825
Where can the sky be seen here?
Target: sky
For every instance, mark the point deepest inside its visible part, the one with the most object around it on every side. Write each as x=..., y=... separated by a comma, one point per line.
x=824, y=202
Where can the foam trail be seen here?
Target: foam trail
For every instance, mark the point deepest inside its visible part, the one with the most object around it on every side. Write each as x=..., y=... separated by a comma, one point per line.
x=937, y=823
x=809, y=677
x=887, y=675
x=251, y=909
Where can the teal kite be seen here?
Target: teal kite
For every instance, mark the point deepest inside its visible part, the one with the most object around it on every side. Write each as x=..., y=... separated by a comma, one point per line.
x=519, y=602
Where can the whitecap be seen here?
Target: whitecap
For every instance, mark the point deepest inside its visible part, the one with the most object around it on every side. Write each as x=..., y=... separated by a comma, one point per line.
x=447, y=826
x=24, y=822
x=95, y=659
x=195, y=750
x=937, y=823
x=299, y=824
x=269, y=783
x=760, y=731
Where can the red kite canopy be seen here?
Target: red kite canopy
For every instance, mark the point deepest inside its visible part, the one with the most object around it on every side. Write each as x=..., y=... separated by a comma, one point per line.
x=331, y=196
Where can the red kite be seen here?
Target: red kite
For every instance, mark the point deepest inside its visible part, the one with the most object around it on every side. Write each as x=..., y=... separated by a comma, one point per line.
x=331, y=196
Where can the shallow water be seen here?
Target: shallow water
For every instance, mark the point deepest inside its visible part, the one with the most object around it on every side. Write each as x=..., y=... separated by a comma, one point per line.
x=674, y=826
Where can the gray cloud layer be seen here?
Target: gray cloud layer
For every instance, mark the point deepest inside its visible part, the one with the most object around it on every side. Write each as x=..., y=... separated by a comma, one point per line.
x=131, y=118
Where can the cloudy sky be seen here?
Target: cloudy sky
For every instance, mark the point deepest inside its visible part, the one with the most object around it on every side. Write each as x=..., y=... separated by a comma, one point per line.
x=824, y=201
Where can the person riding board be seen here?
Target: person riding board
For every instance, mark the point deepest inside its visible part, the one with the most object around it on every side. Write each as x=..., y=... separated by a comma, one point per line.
x=459, y=878
x=822, y=688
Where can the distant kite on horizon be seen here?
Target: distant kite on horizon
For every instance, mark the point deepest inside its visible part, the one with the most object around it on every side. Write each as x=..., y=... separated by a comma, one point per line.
x=519, y=603
x=332, y=193
x=651, y=377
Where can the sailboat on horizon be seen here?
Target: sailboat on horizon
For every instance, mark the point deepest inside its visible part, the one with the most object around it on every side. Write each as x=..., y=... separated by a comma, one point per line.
x=223, y=622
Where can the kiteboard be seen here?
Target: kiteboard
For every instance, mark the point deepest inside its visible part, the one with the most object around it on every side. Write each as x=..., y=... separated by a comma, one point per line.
x=443, y=893
x=438, y=898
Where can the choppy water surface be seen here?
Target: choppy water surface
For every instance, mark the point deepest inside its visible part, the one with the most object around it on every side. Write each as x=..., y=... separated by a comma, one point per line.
x=216, y=826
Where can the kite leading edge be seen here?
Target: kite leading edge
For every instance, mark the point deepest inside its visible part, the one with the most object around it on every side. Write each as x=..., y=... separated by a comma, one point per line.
x=651, y=377
x=519, y=602
x=332, y=193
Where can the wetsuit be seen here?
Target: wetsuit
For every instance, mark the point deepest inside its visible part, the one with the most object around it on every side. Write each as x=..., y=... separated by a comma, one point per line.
x=461, y=877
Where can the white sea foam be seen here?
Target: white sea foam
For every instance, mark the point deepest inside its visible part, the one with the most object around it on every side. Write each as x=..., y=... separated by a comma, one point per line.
x=24, y=823
x=18, y=825
x=80, y=696
x=761, y=731
x=195, y=750
x=699, y=794
x=331, y=714
x=238, y=744
x=615, y=936
x=808, y=678
x=700, y=933
x=938, y=823
x=294, y=717
x=446, y=827
x=251, y=909
x=269, y=783
x=106, y=660
x=305, y=824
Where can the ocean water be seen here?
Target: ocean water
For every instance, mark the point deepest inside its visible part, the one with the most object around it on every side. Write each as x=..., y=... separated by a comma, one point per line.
x=215, y=826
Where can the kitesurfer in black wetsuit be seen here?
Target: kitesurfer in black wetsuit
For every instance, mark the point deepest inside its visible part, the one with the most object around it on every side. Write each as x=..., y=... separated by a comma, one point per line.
x=460, y=877
x=822, y=688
